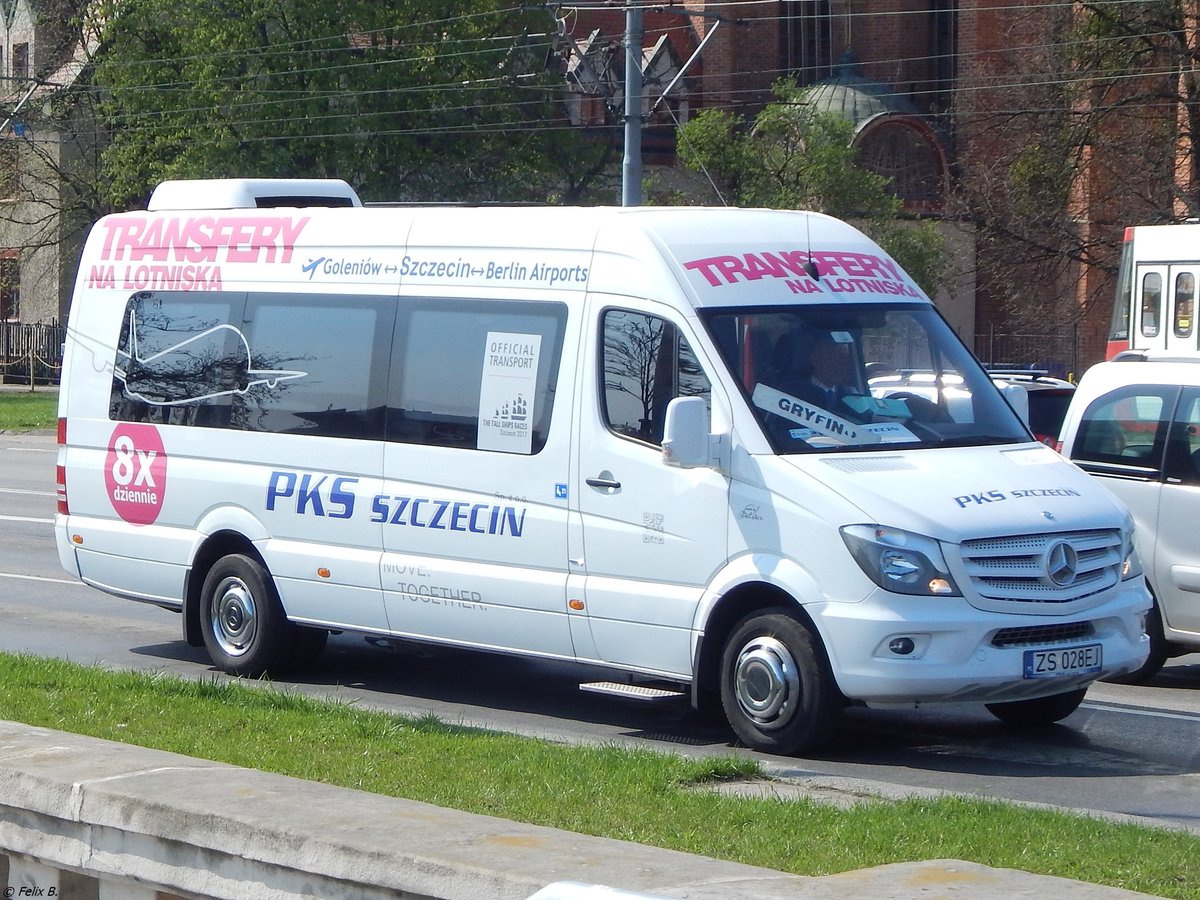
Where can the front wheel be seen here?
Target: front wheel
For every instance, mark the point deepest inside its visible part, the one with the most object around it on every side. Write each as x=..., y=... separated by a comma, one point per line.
x=1040, y=712
x=241, y=618
x=776, y=687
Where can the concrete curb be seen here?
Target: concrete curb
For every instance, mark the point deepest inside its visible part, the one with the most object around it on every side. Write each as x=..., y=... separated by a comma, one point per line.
x=125, y=815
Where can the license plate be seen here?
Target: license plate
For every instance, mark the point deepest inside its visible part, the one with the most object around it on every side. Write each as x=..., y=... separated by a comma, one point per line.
x=1063, y=661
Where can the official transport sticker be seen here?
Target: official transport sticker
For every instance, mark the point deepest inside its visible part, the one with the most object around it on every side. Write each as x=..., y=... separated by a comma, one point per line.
x=507, y=392
x=135, y=473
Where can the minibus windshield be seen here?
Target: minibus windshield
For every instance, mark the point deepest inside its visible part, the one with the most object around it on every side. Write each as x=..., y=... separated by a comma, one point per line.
x=863, y=376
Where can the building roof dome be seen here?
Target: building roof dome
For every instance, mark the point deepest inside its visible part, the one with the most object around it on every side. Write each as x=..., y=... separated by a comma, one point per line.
x=853, y=96
x=894, y=138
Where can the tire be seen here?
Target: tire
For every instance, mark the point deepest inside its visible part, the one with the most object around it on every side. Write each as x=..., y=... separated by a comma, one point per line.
x=242, y=620
x=1040, y=712
x=1159, y=651
x=777, y=690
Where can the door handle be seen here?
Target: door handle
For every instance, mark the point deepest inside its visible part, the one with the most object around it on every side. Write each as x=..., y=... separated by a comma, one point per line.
x=604, y=483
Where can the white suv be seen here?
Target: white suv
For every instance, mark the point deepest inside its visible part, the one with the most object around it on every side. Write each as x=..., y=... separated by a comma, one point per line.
x=1134, y=422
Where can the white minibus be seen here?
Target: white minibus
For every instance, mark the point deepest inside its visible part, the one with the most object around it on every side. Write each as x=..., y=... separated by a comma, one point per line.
x=732, y=454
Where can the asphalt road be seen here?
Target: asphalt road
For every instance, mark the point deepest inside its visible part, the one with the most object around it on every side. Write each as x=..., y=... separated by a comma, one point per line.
x=1128, y=751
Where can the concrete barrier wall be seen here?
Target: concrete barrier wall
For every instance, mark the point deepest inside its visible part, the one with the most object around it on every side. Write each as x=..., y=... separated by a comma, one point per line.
x=86, y=819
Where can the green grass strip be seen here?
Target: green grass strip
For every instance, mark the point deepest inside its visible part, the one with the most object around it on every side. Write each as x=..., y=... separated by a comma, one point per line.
x=636, y=795
x=26, y=410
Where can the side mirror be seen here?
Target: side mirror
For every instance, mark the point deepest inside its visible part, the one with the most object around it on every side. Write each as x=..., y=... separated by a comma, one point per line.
x=686, y=441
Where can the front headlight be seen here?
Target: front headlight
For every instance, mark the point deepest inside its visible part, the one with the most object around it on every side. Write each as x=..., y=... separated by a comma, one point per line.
x=1131, y=564
x=900, y=561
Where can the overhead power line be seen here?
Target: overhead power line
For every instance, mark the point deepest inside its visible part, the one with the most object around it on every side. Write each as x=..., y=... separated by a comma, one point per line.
x=403, y=39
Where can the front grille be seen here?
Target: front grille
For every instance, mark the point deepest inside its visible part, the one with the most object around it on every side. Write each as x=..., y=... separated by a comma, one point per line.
x=1036, y=635
x=1015, y=569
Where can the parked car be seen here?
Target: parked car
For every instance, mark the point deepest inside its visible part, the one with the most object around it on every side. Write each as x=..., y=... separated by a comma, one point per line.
x=1134, y=423
x=1048, y=396
x=1041, y=401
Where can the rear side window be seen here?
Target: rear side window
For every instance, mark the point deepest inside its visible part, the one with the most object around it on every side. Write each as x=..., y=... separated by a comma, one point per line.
x=308, y=383
x=287, y=364
x=180, y=359
x=447, y=372
x=1126, y=427
x=475, y=374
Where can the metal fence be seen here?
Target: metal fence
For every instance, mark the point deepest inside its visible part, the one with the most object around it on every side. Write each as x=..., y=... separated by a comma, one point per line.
x=31, y=354
x=1054, y=351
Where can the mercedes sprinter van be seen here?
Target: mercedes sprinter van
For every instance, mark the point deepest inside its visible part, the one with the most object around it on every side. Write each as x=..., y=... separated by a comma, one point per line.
x=731, y=453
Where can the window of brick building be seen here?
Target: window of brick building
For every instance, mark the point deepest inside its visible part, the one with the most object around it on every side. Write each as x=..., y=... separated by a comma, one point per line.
x=808, y=38
x=908, y=158
x=20, y=61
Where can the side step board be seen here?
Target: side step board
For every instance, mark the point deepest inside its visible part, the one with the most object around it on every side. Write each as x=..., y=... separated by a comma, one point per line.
x=641, y=692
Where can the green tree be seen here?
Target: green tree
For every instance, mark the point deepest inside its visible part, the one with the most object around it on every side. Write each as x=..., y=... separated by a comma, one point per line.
x=793, y=158
x=405, y=99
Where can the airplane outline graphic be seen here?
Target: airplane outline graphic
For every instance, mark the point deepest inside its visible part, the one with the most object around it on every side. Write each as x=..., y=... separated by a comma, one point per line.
x=255, y=377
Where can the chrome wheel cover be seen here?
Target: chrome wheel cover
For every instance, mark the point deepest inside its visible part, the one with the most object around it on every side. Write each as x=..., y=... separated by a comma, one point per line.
x=766, y=682
x=234, y=616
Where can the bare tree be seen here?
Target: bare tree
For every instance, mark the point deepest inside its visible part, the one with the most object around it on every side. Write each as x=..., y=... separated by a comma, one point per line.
x=1082, y=120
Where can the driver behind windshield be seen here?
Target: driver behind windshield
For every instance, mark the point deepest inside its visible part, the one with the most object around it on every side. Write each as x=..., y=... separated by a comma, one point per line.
x=805, y=371
x=816, y=367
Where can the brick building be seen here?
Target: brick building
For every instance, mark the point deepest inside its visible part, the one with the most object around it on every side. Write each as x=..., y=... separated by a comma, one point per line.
x=925, y=82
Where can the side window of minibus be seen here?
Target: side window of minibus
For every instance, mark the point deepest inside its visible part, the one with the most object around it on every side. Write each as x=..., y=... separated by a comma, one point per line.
x=645, y=364
x=475, y=374
x=178, y=360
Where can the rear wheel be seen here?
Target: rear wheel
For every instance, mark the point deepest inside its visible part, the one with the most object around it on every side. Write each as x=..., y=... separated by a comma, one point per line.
x=776, y=687
x=241, y=618
x=1040, y=712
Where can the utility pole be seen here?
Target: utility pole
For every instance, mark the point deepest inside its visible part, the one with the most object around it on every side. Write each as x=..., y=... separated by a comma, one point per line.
x=631, y=168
